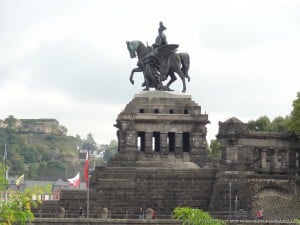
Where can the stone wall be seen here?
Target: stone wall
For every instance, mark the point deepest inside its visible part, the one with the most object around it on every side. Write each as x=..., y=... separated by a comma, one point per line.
x=73, y=221
x=125, y=190
x=261, y=152
x=162, y=163
x=54, y=221
x=277, y=195
x=162, y=122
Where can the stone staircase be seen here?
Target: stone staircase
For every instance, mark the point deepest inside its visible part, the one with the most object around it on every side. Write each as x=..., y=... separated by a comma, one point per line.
x=49, y=208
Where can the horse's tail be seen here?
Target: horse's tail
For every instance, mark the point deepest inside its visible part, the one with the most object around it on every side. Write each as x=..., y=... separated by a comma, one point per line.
x=185, y=62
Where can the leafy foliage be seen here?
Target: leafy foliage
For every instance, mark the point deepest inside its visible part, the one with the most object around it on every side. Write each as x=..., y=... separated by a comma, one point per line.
x=294, y=123
x=37, y=155
x=190, y=216
x=17, y=208
x=215, y=148
x=3, y=181
x=89, y=143
x=11, y=121
x=263, y=123
x=110, y=150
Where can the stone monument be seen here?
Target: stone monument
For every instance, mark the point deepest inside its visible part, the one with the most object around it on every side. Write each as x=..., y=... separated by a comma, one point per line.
x=162, y=159
x=159, y=62
x=161, y=156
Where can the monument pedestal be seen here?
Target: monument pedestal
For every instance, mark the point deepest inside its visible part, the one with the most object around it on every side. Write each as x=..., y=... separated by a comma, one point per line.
x=161, y=138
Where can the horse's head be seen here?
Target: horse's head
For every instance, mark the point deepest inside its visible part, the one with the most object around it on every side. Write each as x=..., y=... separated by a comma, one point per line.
x=131, y=46
x=137, y=48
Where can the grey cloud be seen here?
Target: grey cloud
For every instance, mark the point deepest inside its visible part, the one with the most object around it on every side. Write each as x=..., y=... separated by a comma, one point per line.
x=236, y=32
x=80, y=69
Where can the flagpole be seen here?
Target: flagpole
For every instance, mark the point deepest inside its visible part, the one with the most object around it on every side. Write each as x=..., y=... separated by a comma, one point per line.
x=88, y=201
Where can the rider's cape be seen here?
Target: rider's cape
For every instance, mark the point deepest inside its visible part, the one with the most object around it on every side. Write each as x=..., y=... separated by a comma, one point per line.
x=165, y=50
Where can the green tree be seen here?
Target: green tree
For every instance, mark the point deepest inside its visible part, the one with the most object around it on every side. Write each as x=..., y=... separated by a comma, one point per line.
x=279, y=124
x=294, y=122
x=33, y=171
x=110, y=150
x=51, y=170
x=263, y=123
x=17, y=166
x=11, y=122
x=215, y=148
x=30, y=153
x=90, y=143
x=17, y=208
x=190, y=216
x=3, y=181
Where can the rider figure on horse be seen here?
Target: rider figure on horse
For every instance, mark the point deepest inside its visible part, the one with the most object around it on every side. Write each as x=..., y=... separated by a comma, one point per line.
x=159, y=61
x=151, y=66
x=161, y=39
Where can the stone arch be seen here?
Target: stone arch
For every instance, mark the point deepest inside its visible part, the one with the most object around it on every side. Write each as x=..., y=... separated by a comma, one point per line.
x=274, y=200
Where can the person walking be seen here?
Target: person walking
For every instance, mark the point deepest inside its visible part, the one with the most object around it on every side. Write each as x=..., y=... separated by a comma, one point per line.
x=141, y=213
x=258, y=214
x=262, y=214
x=80, y=212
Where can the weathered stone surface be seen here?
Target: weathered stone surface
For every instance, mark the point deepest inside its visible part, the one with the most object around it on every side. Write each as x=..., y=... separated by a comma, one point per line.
x=162, y=163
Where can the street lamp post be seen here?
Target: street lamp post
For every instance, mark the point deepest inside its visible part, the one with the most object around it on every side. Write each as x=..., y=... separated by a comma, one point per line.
x=235, y=206
x=230, y=199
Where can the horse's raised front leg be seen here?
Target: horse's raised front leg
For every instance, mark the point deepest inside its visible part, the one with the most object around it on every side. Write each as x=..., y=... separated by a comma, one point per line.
x=134, y=70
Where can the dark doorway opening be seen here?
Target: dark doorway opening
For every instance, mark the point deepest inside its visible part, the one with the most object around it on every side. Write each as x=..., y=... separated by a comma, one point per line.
x=186, y=142
x=171, y=141
x=156, y=141
x=141, y=141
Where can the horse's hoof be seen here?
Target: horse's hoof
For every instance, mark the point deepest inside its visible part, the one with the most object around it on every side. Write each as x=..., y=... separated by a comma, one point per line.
x=183, y=91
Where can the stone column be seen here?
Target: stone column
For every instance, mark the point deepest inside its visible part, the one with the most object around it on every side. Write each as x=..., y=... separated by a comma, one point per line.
x=274, y=159
x=148, y=142
x=196, y=141
x=178, y=143
x=283, y=160
x=163, y=143
x=292, y=159
x=131, y=140
x=263, y=159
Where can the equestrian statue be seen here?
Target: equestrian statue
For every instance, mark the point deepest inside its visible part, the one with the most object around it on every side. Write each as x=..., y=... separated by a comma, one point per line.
x=159, y=61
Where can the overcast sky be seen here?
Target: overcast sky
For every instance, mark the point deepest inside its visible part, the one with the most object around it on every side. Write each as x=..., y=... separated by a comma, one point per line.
x=67, y=59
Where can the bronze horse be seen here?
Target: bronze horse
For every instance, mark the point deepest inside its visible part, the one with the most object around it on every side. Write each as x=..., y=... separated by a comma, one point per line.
x=168, y=63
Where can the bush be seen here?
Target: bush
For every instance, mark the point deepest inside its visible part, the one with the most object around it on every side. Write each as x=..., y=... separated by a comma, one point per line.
x=190, y=216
